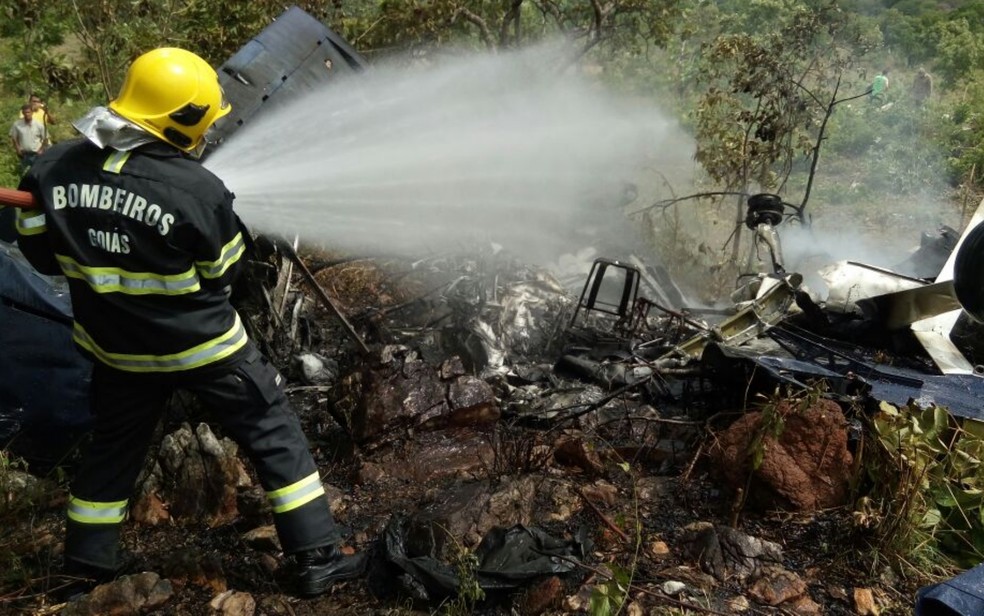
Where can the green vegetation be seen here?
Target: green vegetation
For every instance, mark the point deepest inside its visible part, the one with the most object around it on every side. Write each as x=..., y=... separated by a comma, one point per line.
x=758, y=81
x=927, y=505
x=22, y=495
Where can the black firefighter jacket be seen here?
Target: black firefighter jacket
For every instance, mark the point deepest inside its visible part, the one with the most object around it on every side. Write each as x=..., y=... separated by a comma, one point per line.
x=149, y=243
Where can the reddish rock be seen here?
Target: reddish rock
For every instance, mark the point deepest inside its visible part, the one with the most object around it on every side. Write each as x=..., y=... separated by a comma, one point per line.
x=132, y=594
x=570, y=451
x=806, y=467
x=777, y=585
x=541, y=597
x=431, y=456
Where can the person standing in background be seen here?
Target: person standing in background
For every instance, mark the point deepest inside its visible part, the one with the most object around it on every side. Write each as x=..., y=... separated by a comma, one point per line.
x=41, y=112
x=29, y=137
x=922, y=87
x=879, y=87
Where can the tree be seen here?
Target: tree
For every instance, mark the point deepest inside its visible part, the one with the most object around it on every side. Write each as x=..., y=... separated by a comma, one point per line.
x=35, y=28
x=417, y=25
x=959, y=49
x=769, y=95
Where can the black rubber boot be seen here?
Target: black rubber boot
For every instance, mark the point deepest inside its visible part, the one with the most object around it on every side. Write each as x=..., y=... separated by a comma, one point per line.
x=318, y=569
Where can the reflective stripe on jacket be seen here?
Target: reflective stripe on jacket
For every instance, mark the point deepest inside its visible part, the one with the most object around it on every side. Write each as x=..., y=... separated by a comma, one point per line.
x=149, y=243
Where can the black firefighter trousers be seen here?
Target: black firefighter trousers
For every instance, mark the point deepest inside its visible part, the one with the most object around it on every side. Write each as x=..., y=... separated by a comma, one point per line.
x=249, y=403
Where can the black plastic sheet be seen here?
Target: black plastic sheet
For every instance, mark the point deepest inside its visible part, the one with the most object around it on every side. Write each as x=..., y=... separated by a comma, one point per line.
x=507, y=559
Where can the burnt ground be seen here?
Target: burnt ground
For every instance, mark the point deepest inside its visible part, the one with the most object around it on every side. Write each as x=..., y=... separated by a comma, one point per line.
x=626, y=469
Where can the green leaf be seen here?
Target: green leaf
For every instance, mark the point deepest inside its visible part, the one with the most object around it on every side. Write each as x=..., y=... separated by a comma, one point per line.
x=600, y=604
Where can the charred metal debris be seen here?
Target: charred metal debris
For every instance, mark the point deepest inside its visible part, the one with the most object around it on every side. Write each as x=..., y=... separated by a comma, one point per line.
x=625, y=340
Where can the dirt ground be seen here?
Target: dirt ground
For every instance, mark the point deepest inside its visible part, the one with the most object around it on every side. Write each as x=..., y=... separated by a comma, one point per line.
x=634, y=488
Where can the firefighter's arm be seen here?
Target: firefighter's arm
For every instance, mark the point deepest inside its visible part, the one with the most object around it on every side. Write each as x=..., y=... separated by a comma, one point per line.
x=32, y=236
x=221, y=247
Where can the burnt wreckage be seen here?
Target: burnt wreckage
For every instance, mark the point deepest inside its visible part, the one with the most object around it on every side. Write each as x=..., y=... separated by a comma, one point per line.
x=895, y=335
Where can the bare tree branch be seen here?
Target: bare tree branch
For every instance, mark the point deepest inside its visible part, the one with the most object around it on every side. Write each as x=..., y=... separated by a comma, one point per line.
x=484, y=32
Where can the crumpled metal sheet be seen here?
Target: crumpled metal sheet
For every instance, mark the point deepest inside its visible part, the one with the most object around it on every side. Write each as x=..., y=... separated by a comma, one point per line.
x=848, y=282
x=849, y=371
x=531, y=316
x=775, y=300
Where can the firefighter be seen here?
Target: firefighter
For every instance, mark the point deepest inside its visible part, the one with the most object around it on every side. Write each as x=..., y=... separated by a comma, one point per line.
x=149, y=243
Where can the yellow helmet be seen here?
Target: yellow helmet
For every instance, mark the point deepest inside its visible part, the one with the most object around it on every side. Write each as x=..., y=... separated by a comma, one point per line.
x=173, y=94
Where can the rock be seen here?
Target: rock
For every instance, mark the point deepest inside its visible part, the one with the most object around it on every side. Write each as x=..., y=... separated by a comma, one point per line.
x=190, y=566
x=149, y=508
x=269, y=563
x=540, y=597
x=837, y=592
x=803, y=606
x=377, y=400
x=431, y=456
x=673, y=588
x=369, y=473
x=564, y=498
x=573, y=451
x=727, y=553
x=338, y=499
x=659, y=549
x=451, y=368
x=234, y=603
x=467, y=512
x=579, y=602
x=864, y=602
x=738, y=605
x=776, y=585
x=131, y=594
x=806, y=468
x=653, y=488
x=601, y=493
x=634, y=609
x=472, y=402
x=276, y=605
x=263, y=538
x=195, y=477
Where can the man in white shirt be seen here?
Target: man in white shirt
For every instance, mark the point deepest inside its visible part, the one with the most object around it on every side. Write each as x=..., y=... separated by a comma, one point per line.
x=28, y=137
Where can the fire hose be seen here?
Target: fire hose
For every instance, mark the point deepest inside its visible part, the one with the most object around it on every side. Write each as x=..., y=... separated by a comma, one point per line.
x=17, y=198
